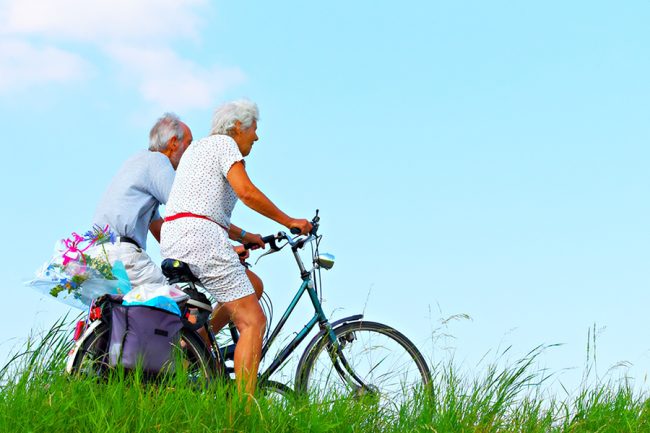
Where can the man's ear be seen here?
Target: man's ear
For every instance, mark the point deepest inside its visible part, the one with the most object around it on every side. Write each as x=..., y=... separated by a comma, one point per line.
x=173, y=144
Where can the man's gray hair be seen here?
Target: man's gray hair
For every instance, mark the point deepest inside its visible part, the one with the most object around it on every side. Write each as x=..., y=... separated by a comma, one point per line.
x=166, y=128
x=227, y=115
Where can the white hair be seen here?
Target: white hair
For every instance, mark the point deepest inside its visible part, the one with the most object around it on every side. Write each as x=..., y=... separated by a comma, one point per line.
x=227, y=115
x=166, y=128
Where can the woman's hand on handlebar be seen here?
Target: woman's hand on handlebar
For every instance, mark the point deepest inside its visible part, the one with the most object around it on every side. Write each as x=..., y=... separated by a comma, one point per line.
x=255, y=239
x=303, y=225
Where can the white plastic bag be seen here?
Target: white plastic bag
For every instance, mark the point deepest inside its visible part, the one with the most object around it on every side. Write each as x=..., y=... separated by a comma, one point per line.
x=161, y=296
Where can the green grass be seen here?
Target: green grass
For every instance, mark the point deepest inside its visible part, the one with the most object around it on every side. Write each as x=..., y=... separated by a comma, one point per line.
x=36, y=396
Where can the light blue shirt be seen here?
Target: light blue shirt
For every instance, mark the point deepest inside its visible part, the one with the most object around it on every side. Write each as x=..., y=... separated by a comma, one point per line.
x=131, y=200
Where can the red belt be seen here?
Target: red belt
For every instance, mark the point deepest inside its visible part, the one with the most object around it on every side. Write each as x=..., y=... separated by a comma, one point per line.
x=191, y=215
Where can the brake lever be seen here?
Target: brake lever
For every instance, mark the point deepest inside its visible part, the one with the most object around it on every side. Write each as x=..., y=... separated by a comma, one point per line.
x=271, y=251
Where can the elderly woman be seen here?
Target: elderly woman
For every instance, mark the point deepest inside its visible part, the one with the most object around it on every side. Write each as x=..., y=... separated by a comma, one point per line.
x=197, y=229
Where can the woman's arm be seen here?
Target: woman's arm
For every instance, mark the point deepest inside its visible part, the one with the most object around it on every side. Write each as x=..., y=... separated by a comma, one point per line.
x=256, y=200
x=234, y=232
x=249, y=238
x=154, y=228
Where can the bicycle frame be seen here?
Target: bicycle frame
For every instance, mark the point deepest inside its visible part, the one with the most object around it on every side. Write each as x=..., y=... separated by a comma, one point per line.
x=319, y=317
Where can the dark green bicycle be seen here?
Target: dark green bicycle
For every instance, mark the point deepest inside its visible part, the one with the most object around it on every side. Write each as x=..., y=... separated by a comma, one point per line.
x=348, y=357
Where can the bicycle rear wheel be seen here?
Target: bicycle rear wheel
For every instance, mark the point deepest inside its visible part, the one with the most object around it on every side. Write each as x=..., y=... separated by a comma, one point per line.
x=371, y=360
x=92, y=357
x=194, y=359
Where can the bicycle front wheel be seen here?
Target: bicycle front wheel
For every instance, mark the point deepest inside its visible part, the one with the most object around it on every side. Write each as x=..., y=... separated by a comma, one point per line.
x=369, y=360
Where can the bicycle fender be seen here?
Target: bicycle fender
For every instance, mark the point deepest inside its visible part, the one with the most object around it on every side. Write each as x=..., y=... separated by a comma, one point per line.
x=318, y=336
x=73, y=352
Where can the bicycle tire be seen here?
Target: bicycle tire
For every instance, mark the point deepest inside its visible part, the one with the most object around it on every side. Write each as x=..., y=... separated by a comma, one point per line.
x=276, y=391
x=197, y=362
x=372, y=360
x=92, y=358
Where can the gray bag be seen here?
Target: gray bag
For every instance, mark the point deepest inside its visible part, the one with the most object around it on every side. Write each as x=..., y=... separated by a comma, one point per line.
x=143, y=337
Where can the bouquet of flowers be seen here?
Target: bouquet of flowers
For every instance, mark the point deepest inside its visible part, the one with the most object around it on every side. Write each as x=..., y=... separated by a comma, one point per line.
x=76, y=278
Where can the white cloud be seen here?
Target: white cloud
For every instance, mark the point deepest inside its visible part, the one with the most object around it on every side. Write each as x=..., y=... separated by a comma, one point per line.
x=22, y=64
x=172, y=82
x=135, y=34
x=102, y=21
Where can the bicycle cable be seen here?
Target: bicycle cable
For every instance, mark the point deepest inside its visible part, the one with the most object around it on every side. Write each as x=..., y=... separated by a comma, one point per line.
x=267, y=308
x=319, y=286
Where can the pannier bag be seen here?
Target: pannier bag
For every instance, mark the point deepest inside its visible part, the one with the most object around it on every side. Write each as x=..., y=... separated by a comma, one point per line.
x=142, y=337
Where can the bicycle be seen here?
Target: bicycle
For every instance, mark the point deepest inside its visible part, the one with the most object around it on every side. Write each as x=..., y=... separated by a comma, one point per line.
x=349, y=356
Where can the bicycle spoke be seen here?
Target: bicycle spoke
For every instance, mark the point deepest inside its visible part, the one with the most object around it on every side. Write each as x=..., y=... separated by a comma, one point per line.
x=371, y=360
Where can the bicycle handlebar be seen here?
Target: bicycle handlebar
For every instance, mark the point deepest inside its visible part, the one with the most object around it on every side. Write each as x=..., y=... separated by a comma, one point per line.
x=272, y=238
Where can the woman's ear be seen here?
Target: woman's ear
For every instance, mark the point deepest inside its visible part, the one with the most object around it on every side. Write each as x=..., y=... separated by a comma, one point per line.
x=238, y=128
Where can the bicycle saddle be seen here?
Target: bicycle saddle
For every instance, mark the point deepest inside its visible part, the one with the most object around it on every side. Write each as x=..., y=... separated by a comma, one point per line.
x=177, y=272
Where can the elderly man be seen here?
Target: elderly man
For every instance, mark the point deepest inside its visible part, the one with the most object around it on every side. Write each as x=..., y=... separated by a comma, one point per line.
x=130, y=204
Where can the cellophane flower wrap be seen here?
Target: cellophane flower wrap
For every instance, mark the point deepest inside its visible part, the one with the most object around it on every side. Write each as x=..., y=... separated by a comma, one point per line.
x=76, y=278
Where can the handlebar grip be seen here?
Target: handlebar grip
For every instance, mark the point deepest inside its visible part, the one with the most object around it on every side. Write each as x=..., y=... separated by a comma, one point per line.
x=265, y=239
x=295, y=231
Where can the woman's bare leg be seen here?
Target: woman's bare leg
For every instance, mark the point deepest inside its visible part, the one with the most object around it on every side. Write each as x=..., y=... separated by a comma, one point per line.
x=221, y=317
x=249, y=319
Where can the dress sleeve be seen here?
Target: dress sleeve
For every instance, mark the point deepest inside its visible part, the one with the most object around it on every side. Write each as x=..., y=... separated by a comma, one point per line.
x=228, y=154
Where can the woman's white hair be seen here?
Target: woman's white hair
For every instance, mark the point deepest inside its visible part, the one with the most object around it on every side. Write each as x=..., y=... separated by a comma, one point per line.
x=227, y=115
x=166, y=128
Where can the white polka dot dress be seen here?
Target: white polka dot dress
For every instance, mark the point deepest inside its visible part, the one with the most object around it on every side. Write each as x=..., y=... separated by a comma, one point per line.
x=201, y=187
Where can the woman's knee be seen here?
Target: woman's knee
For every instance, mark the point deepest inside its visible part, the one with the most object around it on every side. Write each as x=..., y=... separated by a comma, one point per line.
x=260, y=322
x=257, y=319
x=247, y=313
x=254, y=323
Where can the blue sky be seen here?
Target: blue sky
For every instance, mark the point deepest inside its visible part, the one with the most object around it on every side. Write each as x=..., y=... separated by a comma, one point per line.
x=474, y=158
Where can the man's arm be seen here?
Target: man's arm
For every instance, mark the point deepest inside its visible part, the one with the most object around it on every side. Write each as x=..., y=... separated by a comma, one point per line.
x=155, y=227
